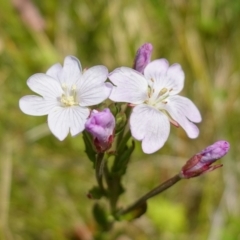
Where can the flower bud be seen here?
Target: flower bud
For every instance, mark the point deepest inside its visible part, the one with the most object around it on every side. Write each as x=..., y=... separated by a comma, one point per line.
x=121, y=120
x=143, y=57
x=201, y=162
x=101, y=126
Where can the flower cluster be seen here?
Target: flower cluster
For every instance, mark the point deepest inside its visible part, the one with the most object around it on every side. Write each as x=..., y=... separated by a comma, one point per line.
x=110, y=108
x=69, y=94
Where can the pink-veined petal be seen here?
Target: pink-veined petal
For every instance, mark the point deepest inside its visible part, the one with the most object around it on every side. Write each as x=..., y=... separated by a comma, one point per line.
x=58, y=122
x=155, y=69
x=35, y=105
x=175, y=77
x=160, y=75
x=92, y=88
x=77, y=119
x=150, y=126
x=63, y=120
x=72, y=71
x=130, y=86
x=94, y=96
x=186, y=107
x=54, y=71
x=93, y=76
x=45, y=86
x=184, y=112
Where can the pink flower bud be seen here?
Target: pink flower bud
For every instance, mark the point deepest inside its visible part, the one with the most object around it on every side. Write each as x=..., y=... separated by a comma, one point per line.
x=201, y=162
x=143, y=57
x=101, y=125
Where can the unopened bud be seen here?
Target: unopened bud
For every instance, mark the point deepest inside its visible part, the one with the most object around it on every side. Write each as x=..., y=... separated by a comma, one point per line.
x=94, y=193
x=143, y=57
x=101, y=125
x=201, y=162
x=121, y=121
x=114, y=108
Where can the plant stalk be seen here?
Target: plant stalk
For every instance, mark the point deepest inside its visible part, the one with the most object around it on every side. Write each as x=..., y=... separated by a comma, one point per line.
x=99, y=167
x=164, y=186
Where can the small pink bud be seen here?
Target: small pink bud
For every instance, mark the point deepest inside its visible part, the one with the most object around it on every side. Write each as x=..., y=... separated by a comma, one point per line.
x=143, y=57
x=89, y=196
x=201, y=162
x=101, y=125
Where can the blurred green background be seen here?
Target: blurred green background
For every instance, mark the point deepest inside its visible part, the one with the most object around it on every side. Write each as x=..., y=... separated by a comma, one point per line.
x=44, y=182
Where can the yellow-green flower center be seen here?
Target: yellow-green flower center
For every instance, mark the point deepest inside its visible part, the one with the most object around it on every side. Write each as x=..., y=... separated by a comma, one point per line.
x=156, y=99
x=68, y=98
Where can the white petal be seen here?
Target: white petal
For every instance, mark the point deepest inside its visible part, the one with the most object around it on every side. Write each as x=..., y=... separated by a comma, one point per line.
x=160, y=76
x=77, y=119
x=93, y=76
x=54, y=71
x=154, y=69
x=151, y=126
x=176, y=77
x=58, y=122
x=35, y=105
x=182, y=110
x=131, y=86
x=91, y=88
x=61, y=120
x=72, y=71
x=45, y=85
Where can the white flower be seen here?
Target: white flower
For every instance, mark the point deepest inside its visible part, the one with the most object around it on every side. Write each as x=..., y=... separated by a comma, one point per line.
x=156, y=102
x=66, y=92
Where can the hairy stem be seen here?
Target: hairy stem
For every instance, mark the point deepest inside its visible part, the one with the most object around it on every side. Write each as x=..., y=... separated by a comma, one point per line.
x=164, y=186
x=100, y=162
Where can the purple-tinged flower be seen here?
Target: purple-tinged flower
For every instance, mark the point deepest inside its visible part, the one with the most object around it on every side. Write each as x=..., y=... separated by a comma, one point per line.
x=156, y=102
x=101, y=125
x=201, y=162
x=143, y=57
x=66, y=93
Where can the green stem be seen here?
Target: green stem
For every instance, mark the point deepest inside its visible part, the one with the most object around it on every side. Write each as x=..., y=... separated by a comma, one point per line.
x=124, y=141
x=109, y=182
x=100, y=162
x=114, y=178
x=167, y=184
x=120, y=136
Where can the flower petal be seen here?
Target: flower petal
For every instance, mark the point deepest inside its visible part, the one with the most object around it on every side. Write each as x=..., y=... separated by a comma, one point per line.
x=131, y=86
x=176, y=77
x=58, y=122
x=182, y=110
x=61, y=120
x=72, y=71
x=92, y=88
x=160, y=76
x=45, y=85
x=154, y=69
x=77, y=119
x=150, y=126
x=35, y=105
x=54, y=71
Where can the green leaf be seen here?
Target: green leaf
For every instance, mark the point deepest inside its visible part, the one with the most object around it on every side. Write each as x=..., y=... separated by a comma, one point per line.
x=89, y=149
x=101, y=217
x=123, y=158
x=135, y=213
